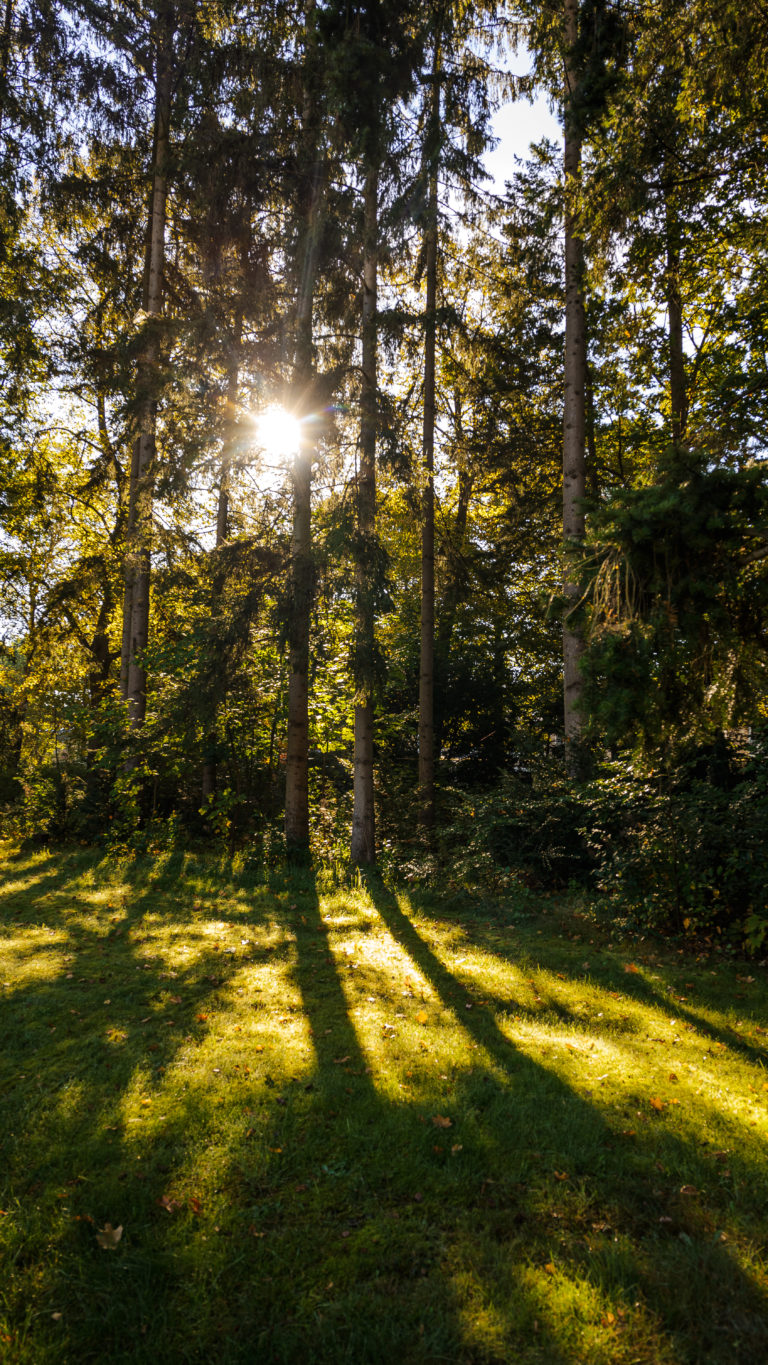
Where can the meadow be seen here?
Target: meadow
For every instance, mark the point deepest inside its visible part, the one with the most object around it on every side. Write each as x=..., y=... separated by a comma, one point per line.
x=273, y=1117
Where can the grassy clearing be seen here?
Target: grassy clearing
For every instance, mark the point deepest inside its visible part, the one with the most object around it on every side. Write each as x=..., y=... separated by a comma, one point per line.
x=349, y=1125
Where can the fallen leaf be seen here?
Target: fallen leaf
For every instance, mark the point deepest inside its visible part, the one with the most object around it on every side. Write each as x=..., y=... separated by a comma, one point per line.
x=108, y=1237
x=656, y=1103
x=672, y=1076
x=421, y=1017
x=170, y=1205
x=688, y=1189
x=608, y=1319
x=561, y=1175
x=630, y=967
x=195, y=1205
x=457, y=1147
x=550, y=1269
x=440, y=1121
x=339, y=1061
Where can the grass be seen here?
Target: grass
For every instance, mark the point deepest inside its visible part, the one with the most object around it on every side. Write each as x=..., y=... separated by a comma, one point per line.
x=349, y=1125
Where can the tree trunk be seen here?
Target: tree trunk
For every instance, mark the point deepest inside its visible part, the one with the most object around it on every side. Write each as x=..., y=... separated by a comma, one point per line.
x=222, y=530
x=574, y=411
x=427, y=660
x=136, y=601
x=6, y=44
x=302, y=565
x=678, y=397
x=363, y=845
x=451, y=595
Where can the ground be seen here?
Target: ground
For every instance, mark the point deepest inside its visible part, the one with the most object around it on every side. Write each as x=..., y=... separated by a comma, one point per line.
x=249, y=1118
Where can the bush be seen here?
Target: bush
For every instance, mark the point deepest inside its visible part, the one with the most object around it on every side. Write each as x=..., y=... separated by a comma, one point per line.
x=685, y=846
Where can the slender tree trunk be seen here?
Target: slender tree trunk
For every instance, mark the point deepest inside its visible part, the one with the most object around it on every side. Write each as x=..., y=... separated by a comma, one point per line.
x=128, y=569
x=427, y=660
x=363, y=845
x=136, y=601
x=450, y=601
x=222, y=531
x=302, y=564
x=6, y=43
x=678, y=397
x=574, y=412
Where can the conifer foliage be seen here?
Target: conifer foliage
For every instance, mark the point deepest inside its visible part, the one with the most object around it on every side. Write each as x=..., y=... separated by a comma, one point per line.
x=340, y=485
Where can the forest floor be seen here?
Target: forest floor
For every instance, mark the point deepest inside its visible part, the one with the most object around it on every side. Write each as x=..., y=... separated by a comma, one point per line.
x=266, y=1121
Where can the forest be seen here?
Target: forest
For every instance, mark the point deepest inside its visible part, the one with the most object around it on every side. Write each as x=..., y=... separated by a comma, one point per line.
x=357, y=509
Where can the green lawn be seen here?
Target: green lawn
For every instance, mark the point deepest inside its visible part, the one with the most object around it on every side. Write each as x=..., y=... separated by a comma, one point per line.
x=357, y=1125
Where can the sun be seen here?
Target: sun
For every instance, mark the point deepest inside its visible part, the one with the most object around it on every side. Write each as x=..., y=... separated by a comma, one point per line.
x=279, y=432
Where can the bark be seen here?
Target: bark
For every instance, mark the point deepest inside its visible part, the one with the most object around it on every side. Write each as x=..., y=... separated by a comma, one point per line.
x=427, y=659
x=451, y=596
x=363, y=846
x=678, y=396
x=302, y=564
x=222, y=531
x=137, y=576
x=574, y=411
x=6, y=43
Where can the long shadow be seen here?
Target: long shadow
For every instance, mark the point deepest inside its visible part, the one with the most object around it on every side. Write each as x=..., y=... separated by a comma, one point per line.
x=638, y=987
x=595, y=1144
x=95, y=1028
x=366, y=1292
x=328, y=1129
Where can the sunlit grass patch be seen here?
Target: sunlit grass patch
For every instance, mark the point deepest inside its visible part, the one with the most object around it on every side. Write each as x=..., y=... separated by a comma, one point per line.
x=342, y=1124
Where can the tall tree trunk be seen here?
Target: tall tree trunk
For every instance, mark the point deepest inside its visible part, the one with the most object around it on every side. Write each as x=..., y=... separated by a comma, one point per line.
x=6, y=45
x=451, y=594
x=222, y=531
x=427, y=660
x=678, y=396
x=574, y=410
x=363, y=844
x=302, y=565
x=136, y=601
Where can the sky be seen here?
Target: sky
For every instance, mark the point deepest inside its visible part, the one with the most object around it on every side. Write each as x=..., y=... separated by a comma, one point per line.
x=517, y=125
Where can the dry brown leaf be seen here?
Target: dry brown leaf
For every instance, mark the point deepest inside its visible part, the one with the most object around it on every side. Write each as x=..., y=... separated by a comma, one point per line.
x=688, y=1189
x=550, y=1269
x=170, y=1205
x=656, y=1103
x=630, y=967
x=108, y=1237
x=440, y=1121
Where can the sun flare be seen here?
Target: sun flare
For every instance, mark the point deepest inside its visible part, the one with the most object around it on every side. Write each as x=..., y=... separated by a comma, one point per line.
x=279, y=432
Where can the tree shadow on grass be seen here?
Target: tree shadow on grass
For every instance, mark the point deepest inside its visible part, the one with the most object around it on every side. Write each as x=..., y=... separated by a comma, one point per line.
x=335, y=1222
x=648, y=1244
